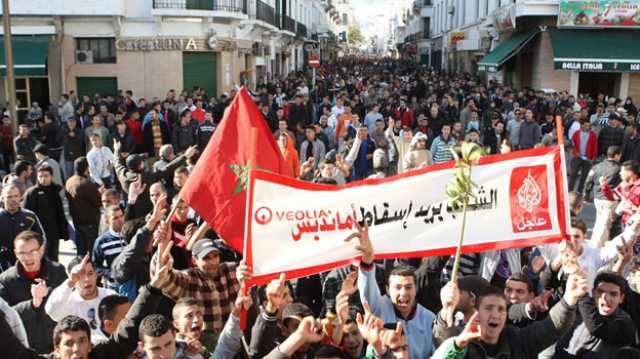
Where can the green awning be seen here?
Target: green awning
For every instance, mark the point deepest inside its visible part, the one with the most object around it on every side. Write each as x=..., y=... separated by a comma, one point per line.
x=29, y=55
x=506, y=50
x=596, y=50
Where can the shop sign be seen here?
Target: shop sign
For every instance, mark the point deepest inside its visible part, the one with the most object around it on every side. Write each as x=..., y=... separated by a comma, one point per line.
x=505, y=18
x=599, y=13
x=158, y=44
x=597, y=66
x=457, y=36
x=485, y=68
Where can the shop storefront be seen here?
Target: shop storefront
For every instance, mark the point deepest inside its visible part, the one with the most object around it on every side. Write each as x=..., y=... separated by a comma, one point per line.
x=604, y=68
x=30, y=68
x=590, y=55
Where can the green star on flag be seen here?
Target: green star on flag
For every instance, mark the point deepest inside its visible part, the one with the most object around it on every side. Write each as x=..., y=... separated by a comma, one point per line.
x=242, y=172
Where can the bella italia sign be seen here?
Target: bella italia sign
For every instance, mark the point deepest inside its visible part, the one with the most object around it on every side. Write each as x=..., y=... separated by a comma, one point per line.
x=166, y=44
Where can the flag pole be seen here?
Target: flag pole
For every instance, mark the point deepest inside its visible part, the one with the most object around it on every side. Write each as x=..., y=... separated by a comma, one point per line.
x=563, y=179
x=251, y=163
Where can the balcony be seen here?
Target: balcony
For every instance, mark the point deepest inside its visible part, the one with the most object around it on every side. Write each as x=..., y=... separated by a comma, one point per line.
x=301, y=30
x=206, y=8
x=289, y=24
x=262, y=11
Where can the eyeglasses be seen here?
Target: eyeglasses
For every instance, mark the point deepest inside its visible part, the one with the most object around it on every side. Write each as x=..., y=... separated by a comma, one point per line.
x=32, y=253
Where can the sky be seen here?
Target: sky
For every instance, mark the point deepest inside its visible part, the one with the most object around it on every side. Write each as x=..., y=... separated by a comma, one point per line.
x=374, y=15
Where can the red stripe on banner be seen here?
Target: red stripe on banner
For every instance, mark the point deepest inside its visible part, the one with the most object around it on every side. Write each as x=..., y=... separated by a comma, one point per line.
x=558, y=169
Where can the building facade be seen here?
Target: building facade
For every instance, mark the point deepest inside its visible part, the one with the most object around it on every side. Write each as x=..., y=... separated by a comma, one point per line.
x=149, y=47
x=413, y=36
x=585, y=47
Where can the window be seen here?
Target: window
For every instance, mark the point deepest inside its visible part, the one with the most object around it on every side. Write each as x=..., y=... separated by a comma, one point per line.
x=104, y=49
x=426, y=24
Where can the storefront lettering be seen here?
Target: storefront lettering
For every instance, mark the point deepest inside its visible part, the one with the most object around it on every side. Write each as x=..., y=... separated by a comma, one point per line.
x=634, y=67
x=582, y=66
x=157, y=44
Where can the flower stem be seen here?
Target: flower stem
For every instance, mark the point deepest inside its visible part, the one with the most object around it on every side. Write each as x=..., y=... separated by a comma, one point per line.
x=456, y=261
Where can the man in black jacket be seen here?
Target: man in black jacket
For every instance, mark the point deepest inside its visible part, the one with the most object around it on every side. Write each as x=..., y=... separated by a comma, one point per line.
x=299, y=113
x=205, y=131
x=73, y=141
x=602, y=327
x=72, y=335
x=25, y=287
x=14, y=220
x=45, y=201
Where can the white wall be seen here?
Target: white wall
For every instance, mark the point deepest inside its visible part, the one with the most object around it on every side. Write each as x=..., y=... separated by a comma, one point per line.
x=69, y=7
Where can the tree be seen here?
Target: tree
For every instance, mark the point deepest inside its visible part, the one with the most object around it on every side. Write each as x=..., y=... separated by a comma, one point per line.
x=354, y=36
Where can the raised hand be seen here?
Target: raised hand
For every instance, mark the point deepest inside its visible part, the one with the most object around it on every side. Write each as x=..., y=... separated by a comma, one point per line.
x=371, y=327
x=392, y=338
x=39, y=291
x=163, y=263
x=244, y=273
x=275, y=292
x=78, y=271
x=306, y=167
x=625, y=252
x=349, y=284
x=540, y=304
x=136, y=188
x=309, y=330
x=537, y=263
x=116, y=145
x=242, y=301
x=191, y=151
x=449, y=297
x=364, y=245
x=577, y=287
x=162, y=233
x=471, y=332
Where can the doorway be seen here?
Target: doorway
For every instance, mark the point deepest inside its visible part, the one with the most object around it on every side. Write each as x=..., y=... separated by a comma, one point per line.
x=593, y=83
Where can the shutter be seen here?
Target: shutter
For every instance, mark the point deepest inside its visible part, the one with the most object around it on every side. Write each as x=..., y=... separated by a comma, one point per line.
x=92, y=85
x=199, y=69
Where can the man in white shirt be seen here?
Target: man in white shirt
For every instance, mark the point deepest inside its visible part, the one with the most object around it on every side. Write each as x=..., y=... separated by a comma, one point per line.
x=587, y=254
x=79, y=295
x=100, y=160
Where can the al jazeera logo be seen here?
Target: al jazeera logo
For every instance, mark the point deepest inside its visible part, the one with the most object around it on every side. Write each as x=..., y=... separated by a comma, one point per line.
x=529, y=199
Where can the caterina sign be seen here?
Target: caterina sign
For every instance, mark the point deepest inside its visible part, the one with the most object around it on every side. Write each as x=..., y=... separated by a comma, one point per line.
x=298, y=228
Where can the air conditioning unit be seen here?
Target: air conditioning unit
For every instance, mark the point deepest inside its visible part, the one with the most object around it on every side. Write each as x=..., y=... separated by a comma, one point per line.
x=451, y=9
x=84, y=57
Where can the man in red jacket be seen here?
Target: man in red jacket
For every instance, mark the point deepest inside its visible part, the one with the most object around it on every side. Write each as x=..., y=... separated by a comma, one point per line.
x=404, y=114
x=585, y=152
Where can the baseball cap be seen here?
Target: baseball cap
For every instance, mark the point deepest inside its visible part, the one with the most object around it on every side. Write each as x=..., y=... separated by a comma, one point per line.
x=134, y=160
x=472, y=283
x=204, y=247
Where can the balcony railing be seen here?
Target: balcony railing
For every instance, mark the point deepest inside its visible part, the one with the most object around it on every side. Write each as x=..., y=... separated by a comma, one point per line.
x=239, y=6
x=289, y=24
x=301, y=30
x=265, y=13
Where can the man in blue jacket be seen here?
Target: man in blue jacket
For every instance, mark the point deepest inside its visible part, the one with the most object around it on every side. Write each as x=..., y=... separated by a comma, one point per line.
x=399, y=304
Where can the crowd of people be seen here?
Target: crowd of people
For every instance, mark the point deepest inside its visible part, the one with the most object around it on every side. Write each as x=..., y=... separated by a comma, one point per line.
x=104, y=172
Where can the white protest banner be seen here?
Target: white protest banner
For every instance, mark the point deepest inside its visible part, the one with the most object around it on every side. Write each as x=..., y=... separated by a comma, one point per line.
x=298, y=228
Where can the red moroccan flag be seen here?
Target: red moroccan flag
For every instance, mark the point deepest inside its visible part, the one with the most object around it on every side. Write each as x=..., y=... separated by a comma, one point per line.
x=216, y=188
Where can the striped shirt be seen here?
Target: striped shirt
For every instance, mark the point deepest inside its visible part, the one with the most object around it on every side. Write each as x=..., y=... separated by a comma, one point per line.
x=105, y=250
x=469, y=265
x=440, y=150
